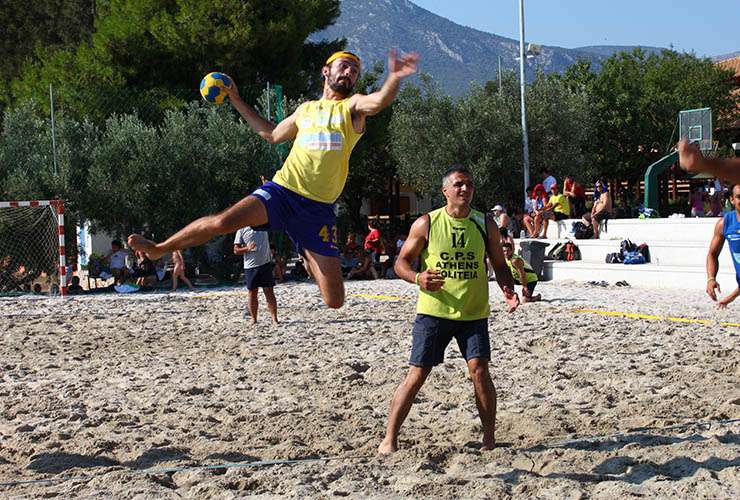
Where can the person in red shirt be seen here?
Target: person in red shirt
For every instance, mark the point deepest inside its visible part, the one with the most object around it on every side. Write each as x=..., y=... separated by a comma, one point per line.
x=351, y=245
x=576, y=196
x=373, y=241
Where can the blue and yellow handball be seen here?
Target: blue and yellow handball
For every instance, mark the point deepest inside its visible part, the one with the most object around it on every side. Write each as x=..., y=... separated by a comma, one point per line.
x=213, y=87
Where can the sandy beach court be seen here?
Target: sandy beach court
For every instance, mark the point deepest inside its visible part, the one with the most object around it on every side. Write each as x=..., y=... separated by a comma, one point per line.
x=125, y=396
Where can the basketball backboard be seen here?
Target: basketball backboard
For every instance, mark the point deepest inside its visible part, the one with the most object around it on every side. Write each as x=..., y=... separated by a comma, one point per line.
x=696, y=126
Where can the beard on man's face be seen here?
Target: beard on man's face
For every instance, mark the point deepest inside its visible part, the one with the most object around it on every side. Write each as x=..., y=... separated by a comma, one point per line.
x=341, y=84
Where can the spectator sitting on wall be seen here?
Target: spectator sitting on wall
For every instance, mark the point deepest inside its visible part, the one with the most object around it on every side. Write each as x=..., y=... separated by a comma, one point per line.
x=540, y=198
x=576, y=196
x=349, y=259
x=530, y=211
x=557, y=208
x=696, y=202
x=503, y=221
x=715, y=200
x=602, y=209
x=351, y=243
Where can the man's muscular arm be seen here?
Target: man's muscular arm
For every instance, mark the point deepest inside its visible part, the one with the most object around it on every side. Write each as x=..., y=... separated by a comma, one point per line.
x=286, y=130
x=429, y=279
x=398, y=69
x=715, y=248
x=691, y=160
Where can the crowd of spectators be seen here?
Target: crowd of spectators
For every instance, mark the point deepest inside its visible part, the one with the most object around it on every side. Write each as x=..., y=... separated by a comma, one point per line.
x=375, y=257
x=545, y=202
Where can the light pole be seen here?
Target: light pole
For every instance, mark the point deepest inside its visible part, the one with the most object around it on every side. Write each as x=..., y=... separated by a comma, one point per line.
x=525, y=140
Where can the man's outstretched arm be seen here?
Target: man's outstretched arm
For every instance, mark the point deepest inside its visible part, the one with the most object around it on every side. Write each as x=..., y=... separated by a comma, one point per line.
x=691, y=160
x=286, y=130
x=715, y=248
x=398, y=69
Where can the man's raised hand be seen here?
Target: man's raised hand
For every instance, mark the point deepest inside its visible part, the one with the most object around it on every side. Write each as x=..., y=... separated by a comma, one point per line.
x=690, y=158
x=403, y=66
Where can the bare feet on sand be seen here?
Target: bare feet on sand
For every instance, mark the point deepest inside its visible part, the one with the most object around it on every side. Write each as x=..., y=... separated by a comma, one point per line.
x=141, y=244
x=488, y=443
x=387, y=447
x=533, y=298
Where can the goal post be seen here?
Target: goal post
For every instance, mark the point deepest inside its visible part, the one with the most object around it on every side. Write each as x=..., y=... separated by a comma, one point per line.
x=32, y=247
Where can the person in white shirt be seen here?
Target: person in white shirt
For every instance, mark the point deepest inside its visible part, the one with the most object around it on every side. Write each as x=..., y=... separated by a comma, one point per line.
x=547, y=179
x=116, y=260
x=258, y=272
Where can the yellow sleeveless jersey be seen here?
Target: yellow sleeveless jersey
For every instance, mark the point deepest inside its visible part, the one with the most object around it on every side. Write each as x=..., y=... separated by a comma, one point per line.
x=318, y=162
x=456, y=248
x=531, y=275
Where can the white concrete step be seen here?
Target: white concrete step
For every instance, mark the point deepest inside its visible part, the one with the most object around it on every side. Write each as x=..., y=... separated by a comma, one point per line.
x=688, y=229
x=643, y=275
x=666, y=253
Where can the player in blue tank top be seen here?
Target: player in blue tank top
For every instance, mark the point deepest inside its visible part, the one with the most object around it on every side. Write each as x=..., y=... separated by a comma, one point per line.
x=727, y=229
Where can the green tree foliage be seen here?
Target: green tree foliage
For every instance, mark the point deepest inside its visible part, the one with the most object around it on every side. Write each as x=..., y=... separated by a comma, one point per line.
x=146, y=51
x=35, y=28
x=635, y=100
x=198, y=161
x=128, y=173
x=423, y=138
x=482, y=131
x=26, y=158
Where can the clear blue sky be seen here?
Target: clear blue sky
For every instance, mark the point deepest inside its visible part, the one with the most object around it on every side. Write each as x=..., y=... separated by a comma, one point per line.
x=708, y=28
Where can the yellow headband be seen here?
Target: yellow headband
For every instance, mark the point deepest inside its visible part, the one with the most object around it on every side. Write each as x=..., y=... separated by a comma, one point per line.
x=342, y=53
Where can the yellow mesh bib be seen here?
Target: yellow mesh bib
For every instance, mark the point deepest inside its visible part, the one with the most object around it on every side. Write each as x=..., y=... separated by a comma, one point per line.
x=531, y=275
x=458, y=250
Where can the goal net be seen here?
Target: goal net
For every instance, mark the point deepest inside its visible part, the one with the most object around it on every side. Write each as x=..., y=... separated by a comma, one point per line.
x=32, y=247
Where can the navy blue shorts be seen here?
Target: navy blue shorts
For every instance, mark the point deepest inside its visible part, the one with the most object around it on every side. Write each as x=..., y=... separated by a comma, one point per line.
x=432, y=335
x=259, y=277
x=311, y=225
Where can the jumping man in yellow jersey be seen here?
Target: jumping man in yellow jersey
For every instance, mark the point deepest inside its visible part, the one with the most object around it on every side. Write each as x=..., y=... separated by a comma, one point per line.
x=453, y=242
x=300, y=198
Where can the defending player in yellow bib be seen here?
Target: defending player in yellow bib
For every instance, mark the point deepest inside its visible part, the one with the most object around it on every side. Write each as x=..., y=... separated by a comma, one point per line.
x=456, y=249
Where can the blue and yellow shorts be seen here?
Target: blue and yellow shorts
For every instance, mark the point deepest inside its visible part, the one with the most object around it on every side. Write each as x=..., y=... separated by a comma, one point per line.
x=311, y=225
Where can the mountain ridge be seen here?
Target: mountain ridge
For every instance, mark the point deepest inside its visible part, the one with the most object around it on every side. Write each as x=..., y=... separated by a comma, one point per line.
x=453, y=54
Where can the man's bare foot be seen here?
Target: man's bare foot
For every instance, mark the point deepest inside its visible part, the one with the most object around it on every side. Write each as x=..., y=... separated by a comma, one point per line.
x=387, y=447
x=533, y=298
x=140, y=244
x=488, y=444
